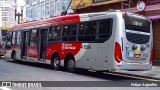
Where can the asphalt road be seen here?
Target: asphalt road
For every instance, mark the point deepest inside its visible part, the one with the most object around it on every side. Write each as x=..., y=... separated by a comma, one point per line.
x=26, y=71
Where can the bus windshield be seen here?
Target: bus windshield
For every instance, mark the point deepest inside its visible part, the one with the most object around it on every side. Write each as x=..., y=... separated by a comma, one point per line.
x=137, y=30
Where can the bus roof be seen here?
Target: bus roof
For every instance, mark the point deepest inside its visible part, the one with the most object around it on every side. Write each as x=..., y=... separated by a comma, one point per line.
x=47, y=22
x=59, y=20
x=68, y=19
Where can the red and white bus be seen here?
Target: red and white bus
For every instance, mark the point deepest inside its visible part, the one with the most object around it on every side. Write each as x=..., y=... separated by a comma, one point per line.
x=108, y=40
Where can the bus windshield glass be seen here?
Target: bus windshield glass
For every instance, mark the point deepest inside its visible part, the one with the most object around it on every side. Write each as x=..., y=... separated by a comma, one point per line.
x=137, y=29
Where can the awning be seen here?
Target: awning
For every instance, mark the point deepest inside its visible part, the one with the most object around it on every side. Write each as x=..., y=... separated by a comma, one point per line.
x=88, y=3
x=154, y=17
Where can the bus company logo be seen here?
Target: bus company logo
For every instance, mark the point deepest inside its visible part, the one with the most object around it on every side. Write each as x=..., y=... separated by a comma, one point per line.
x=6, y=84
x=32, y=51
x=138, y=51
x=21, y=84
x=68, y=47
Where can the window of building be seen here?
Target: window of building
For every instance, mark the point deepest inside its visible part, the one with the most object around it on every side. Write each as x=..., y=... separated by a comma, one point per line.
x=57, y=6
x=34, y=11
x=47, y=11
x=30, y=14
x=27, y=2
x=87, y=31
x=38, y=2
x=69, y=32
x=33, y=38
x=27, y=14
x=52, y=10
x=42, y=9
x=55, y=34
x=5, y=18
x=5, y=23
x=46, y=0
x=38, y=12
x=5, y=13
x=63, y=5
x=5, y=9
x=34, y=0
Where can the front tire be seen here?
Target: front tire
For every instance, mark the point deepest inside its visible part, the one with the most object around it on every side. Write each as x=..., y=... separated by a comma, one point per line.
x=56, y=62
x=71, y=64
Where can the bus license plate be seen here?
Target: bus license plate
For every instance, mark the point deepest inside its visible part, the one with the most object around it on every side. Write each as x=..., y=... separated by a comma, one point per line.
x=137, y=55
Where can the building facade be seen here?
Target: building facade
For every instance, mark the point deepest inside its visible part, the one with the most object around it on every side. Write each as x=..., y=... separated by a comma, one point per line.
x=148, y=8
x=7, y=13
x=41, y=9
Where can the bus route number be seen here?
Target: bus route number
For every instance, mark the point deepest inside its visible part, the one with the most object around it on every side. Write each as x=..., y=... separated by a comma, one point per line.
x=87, y=46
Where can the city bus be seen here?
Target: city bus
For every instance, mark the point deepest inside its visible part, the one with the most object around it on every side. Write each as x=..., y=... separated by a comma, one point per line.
x=104, y=41
x=3, y=33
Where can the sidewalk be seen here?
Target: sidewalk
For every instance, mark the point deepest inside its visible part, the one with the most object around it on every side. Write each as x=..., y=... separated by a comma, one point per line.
x=154, y=73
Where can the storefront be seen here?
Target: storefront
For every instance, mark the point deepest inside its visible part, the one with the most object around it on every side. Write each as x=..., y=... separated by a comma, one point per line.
x=148, y=8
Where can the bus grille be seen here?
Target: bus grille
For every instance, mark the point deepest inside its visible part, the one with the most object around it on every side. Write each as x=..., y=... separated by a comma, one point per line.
x=137, y=38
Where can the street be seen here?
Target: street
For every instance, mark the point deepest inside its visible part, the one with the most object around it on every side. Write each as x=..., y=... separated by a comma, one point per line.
x=26, y=71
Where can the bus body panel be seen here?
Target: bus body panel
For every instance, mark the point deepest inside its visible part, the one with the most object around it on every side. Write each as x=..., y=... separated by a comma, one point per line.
x=87, y=56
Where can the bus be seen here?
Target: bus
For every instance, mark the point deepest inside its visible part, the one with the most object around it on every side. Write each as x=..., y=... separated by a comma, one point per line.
x=104, y=41
x=3, y=33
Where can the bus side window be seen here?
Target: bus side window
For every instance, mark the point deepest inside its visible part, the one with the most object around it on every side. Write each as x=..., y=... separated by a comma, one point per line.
x=73, y=32
x=65, y=36
x=13, y=38
x=55, y=34
x=87, y=31
x=8, y=40
x=69, y=32
x=18, y=38
x=105, y=29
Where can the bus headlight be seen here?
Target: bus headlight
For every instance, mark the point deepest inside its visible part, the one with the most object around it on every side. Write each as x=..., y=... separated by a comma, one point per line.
x=143, y=48
x=134, y=47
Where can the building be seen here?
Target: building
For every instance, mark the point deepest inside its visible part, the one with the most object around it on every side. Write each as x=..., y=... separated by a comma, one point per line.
x=7, y=13
x=40, y=9
x=148, y=8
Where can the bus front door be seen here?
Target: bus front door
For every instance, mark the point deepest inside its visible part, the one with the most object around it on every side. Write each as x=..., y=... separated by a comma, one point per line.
x=42, y=43
x=24, y=44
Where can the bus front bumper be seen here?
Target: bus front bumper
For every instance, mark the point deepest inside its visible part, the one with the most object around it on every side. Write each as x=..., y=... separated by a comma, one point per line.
x=134, y=66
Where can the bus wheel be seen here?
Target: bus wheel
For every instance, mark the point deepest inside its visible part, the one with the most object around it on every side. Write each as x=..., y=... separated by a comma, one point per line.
x=71, y=64
x=14, y=57
x=56, y=62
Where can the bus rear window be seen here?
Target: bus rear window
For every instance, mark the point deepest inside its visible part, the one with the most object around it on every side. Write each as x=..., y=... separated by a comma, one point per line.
x=136, y=24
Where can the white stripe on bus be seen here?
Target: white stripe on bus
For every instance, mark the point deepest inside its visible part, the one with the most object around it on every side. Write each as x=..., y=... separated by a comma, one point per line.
x=138, y=32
